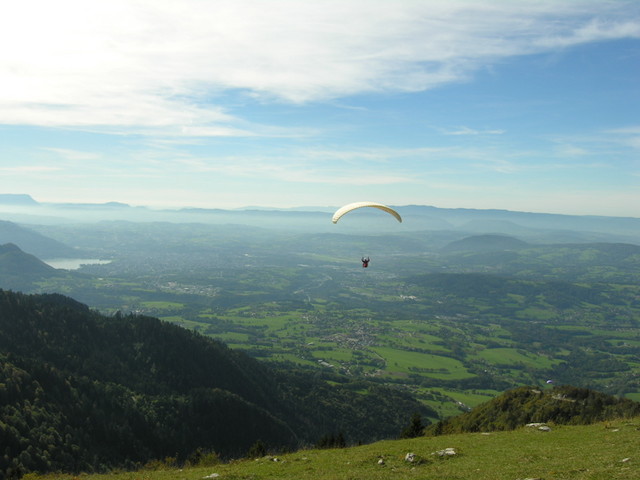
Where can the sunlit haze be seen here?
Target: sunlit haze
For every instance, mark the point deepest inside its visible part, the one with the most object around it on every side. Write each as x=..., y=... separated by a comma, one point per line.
x=520, y=105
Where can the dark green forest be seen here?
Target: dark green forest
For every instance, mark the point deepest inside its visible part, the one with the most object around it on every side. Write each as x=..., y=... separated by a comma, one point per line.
x=80, y=391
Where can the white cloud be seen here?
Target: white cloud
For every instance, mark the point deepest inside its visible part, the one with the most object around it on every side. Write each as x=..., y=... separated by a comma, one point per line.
x=161, y=66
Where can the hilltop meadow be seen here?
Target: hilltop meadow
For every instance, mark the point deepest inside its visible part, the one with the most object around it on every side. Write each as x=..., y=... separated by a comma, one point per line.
x=525, y=453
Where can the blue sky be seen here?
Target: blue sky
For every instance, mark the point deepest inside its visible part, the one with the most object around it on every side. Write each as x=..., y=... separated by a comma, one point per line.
x=519, y=105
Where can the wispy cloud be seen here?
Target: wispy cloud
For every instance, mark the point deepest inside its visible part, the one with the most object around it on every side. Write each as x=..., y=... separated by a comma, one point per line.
x=380, y=166
x=568, y=150
x=472, y=131
x=631, y=130
x=23, y=169
x=300, y=169
x=594, y=31
x=607, y=143
x=74, y=155
x=629, y=137
x=161, y=67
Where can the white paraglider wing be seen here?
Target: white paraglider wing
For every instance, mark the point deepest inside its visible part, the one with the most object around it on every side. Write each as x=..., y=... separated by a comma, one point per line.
x=352, y=206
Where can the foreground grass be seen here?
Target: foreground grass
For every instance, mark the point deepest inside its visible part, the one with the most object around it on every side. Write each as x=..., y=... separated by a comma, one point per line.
x=602, y=451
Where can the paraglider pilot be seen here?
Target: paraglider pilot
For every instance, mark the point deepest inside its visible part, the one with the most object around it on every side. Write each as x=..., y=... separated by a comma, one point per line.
x=365, y=262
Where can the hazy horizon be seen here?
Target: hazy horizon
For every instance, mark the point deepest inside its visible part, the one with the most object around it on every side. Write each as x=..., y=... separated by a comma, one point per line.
x=115, y=204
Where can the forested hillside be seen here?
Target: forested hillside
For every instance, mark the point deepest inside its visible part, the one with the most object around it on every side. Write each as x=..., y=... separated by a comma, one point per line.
x=80, y=391
x=15, y=262
x=524, y=405
x=21, y=270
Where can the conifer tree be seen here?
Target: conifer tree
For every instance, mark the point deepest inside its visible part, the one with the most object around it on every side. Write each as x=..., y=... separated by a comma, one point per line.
x=415, y=427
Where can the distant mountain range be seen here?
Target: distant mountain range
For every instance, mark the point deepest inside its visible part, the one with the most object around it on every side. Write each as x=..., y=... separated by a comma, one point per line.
x=534, y=226
x=17, y=199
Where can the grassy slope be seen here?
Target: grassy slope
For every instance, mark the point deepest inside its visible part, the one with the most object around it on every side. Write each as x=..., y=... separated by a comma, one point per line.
x=601, y=451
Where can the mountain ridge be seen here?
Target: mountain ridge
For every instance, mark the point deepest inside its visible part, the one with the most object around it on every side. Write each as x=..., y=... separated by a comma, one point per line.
x=14, y=261
x=486, y=243
x=35, y=243
x=123, y=390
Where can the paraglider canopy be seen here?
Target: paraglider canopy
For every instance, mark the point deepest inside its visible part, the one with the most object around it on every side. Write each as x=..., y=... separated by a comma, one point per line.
x=352, y=206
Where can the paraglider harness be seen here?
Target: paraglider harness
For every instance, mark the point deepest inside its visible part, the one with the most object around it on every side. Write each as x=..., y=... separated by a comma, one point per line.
x=365, y=262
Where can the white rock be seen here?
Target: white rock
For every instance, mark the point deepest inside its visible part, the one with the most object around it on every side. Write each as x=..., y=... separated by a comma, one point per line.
x=446, y=452
x=410, y=457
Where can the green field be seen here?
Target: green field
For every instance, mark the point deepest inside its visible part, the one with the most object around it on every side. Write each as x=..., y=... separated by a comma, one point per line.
x=438, y=337
x=511, y=356
x=460, y=321
x=520, y=454
x=402, y=361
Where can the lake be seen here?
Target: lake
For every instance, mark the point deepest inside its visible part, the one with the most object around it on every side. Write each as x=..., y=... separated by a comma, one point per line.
x=74, y=263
